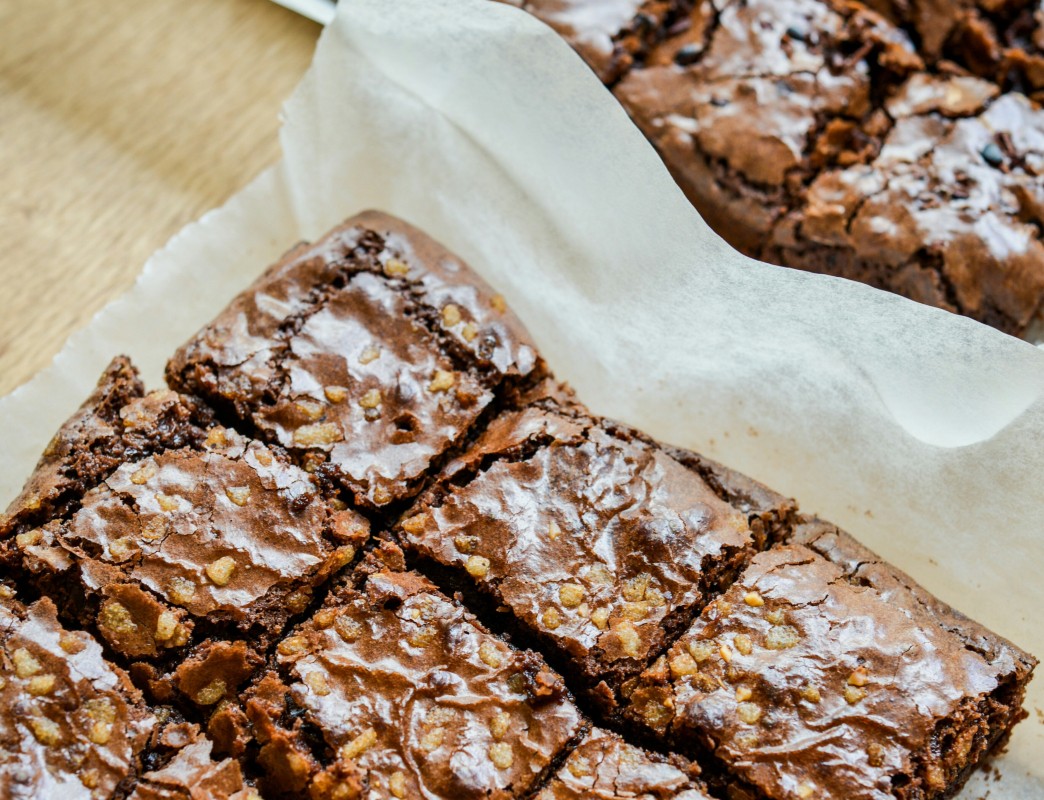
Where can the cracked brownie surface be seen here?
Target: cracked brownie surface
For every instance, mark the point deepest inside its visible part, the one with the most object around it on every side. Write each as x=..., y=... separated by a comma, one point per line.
x=899, y=148
x=367, y=355
x=812, y=677
x=599, y=543
x=246, y=630
x=605, y=767
x=395, y=689
x=72, y=724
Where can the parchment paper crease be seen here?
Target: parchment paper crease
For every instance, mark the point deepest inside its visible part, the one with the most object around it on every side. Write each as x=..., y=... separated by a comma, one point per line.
x=920, y=431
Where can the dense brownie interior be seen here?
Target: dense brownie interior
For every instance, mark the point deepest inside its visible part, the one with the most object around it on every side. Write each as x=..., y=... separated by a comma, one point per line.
x=828, y=676
x=586, y=612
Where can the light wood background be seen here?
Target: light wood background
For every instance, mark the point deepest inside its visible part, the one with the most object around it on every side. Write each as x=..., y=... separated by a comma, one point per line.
x=120, y=122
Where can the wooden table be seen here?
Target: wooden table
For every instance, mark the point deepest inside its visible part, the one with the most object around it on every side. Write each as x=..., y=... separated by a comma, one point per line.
x=120, y=122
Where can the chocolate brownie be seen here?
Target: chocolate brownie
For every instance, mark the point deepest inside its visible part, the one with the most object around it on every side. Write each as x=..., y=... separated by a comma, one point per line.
x=367, y=355
x=610, y=37
x=1002, y=40
x=821, y=674
x=176, y=550
x=192, y=774
x=605, y=767
x=72, y=725
x=393, y=689
x=599, y=543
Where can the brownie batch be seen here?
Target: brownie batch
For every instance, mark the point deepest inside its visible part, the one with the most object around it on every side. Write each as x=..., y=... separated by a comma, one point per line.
x=895, y=142
x=365, y=546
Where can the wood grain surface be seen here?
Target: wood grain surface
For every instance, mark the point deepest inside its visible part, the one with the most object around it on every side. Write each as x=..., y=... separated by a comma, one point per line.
x=120, y=122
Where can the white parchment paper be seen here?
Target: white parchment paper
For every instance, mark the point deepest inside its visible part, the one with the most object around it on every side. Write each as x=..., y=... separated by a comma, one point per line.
x=919, y=431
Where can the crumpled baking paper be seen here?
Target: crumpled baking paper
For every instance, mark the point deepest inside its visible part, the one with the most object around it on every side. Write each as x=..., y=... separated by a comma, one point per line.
x=919, y=431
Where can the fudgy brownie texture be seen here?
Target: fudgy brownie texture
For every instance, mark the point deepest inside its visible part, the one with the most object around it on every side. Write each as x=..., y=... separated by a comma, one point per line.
x=393, y=689
x=177, y=552
x=824, y=672
x=611, y=36
x=1002, y=40
x=367, y=355
x=192, y=774
x=71, y=724
x=600, y=544
x=605, y=767
x=901, y=149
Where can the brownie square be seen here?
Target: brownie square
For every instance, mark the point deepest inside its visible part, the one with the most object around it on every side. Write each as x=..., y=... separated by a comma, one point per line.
x=175, y=549
x=193, y=774
x=827, y=673
x=367, y=355
x=605, y=767
x=72, y=725
x=600, y=545
x=392, y=689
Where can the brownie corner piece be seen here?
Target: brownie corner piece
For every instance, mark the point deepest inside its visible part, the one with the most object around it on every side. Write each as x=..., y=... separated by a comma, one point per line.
x=118, y=420
x=393, y=687
x=174, y=538
x=606, y=767
x=72, y=724
x=808, y=678
x=367, y=355
x=599, y=544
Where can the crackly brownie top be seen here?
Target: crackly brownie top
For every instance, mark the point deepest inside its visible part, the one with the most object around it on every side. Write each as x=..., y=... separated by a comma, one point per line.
x=604, y=767
x=593, y=536
x=228, y=532
x=413, y=697
x=752, y=85
x=954, y=200
x=862, y=565
x=72, y=725
x=608, y=35
x=119, y=421
x=373, y=350
x=808, y=682
x=193, y=775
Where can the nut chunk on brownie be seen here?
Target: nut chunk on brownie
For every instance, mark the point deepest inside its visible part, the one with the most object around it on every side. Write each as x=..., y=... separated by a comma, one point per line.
x=818, y=678
x=394, y=690
x=225, y=533
x=72, y=725
x=604, y=767
x=367, y=355
x=599, y=543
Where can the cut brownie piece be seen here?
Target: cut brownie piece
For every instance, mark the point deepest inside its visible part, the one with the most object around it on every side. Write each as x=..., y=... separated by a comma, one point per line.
x=117, y=423
x=610, y=37
x=605, y=767
x=599, y=543
x=392, y=689
x=73, y=725
x=223, y=538
x=367, y=355
x=834, y=676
